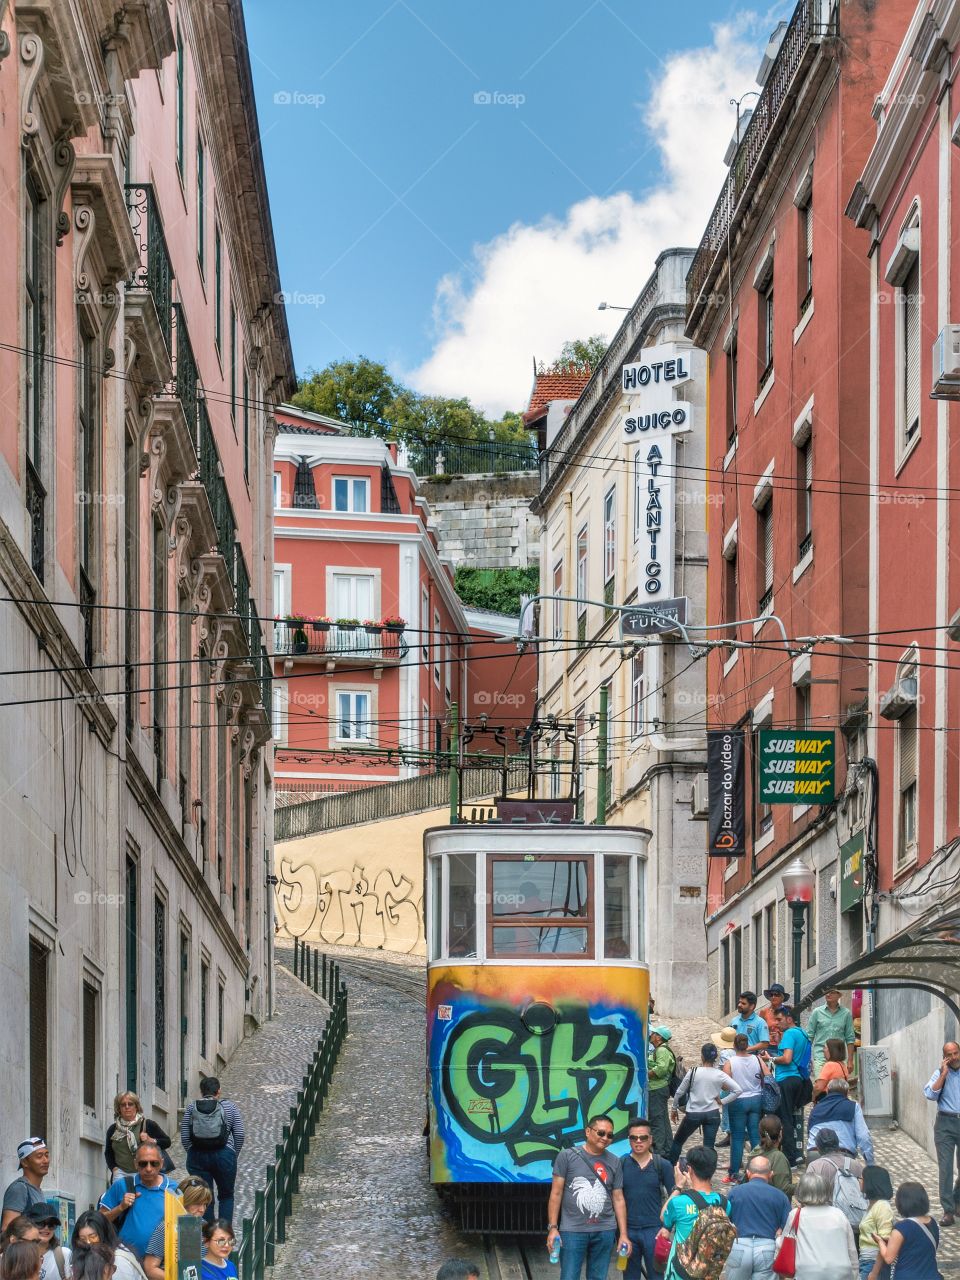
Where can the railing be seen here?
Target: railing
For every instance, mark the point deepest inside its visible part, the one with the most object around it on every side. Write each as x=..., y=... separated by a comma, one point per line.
x=391, y=800
x=273, y=1204
x=155, y=273
x=187, y=375
x=215, y=486
x=241, y=591
x=485, y=457
x=311, y=966
x=308, y=640
x=262, y=663
x=811, y=21
x=36, y=500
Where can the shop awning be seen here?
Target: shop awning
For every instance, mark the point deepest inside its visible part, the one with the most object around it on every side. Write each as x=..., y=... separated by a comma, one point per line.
x=923, y=957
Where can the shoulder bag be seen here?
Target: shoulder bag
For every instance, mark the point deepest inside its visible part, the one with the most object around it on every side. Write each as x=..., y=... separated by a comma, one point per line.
x=785, y=1259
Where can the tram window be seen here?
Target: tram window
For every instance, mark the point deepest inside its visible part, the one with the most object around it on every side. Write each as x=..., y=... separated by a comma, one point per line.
x=616, y=908
x=462, y=882
x=435, y=908
x=540, y=907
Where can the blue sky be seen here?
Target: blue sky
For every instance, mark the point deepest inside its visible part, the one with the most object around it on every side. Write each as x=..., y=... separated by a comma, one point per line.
x=457, y=237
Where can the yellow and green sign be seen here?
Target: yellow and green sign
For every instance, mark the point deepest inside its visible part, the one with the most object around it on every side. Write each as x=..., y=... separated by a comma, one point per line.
x=795, y=766
x=851, y=872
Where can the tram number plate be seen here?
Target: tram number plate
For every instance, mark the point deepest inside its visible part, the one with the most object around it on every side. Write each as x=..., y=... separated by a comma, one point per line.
x=444, y=1012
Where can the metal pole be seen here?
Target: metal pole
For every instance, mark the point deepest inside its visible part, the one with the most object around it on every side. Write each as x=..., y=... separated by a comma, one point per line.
x=798, y=909
x=602, y=760
x=454, y=775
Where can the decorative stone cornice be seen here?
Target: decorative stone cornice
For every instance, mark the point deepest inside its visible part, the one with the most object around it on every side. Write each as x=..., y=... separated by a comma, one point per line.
x=146, y=358
x=96, y=186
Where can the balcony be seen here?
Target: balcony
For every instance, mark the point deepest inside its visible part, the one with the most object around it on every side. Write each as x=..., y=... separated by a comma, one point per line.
x=483, y=457
x=813, y=21
x=155, y=273
x=313, y=642
x=211, y=477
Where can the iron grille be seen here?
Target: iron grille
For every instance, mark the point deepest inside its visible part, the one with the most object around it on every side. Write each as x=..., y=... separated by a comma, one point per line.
x=155, y=273
x=36, y=500
x=187, y=373
x=88, y=599
x=213, y=482
x=483, y=457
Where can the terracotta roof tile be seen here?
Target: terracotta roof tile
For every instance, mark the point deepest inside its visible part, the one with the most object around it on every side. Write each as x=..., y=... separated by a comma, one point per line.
x=565, y=385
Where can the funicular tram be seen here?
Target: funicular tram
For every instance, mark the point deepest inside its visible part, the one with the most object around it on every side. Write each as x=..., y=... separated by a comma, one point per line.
x=537, y=999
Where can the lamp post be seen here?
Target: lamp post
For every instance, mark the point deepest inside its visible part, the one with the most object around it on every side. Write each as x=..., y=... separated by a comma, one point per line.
x=798, y=885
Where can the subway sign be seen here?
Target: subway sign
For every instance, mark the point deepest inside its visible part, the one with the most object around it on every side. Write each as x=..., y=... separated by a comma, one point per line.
x=796, y=766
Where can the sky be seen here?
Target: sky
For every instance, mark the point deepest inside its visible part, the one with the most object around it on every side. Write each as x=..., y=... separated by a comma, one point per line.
x=456, y=184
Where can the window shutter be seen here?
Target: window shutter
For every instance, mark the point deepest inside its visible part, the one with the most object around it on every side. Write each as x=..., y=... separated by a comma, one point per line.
x=768, y=547
x=39, y=1010
x=808, y=219
x=911, y=351
x=907, y=731
x=89, y=1047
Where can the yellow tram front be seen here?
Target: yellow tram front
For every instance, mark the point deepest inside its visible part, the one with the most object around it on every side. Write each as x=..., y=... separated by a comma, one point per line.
x=537, y=996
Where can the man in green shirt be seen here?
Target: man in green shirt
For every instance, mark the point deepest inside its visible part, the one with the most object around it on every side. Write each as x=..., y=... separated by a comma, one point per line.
x=660, y=1065
x=831, y=1022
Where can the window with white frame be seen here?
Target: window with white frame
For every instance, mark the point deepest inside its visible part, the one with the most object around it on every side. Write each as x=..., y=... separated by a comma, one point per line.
x=804, y=486
x=806, y=254
x=351, y=493
x=425, y=624
x=277, y=490
x=201, y=205
x=353, y=716
x=353, y=596
x=765, y=556
x=906, y=750
x=558, y=604
x=763, y=283
x=581, y=591
x=448, y=670
x=908, y=311
x=637, y=694
x=436, y=647
x=279, y=711
x=609, y=535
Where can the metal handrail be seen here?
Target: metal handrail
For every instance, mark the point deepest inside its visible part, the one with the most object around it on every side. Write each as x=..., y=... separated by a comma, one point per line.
x=481, y=457
x=273, y=1203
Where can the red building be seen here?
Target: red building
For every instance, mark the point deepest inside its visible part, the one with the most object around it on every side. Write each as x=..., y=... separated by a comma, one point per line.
x=789, y=463
x=371, y=642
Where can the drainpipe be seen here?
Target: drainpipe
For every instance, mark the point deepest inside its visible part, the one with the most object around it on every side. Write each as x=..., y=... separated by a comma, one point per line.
x=602, y=761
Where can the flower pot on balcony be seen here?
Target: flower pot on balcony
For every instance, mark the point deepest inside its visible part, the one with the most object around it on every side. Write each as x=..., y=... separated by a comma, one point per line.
x=396, y=628
x=321, y=626
x=371, y=629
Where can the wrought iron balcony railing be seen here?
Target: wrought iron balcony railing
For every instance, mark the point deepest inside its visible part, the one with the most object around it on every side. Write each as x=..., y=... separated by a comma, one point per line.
x=310, y=640
x=211, y=478
x=187, y=375
x=812, y=22
x=155, y=273
x=36, y=501
x=483, y=457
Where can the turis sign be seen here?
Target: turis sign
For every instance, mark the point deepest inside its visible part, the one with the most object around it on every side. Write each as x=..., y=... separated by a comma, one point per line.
x=795, y=766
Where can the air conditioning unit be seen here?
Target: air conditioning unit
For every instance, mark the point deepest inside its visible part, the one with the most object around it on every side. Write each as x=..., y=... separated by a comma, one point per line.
x=946, y=364
x=700, y=799
x=900, y=698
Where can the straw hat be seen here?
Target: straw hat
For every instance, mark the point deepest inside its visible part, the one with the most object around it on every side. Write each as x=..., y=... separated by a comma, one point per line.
x=724, y=1039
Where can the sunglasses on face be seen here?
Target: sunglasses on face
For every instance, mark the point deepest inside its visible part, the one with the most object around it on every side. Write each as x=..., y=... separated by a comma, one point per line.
x=222, y=1240
x=603, y=1133
x=639, y=1137
x=148, y=1164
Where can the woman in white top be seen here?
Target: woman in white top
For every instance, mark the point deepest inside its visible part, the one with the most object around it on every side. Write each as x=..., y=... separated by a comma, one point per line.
x=825, y=1246
x=748, y=1071
x=702, y=1093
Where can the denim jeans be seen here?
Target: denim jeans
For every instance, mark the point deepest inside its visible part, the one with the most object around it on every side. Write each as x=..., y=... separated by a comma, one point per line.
x=751, y=1257
x=709, y=1121
x=866, y=1266
x=220, y=1168
x=592, y=1247
x=744, y=1116
x=640, y=1262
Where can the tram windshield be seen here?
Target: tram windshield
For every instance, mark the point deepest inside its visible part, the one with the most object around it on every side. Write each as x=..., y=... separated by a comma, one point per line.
x=540, y=907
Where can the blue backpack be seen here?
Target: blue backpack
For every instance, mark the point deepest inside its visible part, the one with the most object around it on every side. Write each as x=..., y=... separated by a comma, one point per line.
x=805, y=1058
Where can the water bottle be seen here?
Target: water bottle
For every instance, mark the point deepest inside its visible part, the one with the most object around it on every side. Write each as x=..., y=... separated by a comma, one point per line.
x=622, y=1257
x=555, y=1249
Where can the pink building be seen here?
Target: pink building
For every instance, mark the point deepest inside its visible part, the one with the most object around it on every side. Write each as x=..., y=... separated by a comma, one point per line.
x=142, y=348
x=371, y=642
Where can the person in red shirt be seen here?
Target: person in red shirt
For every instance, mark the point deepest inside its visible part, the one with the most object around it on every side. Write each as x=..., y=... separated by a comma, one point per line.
x=777, y=995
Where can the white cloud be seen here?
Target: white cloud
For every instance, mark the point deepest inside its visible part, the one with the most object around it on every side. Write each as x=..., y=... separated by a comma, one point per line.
x=538, y=285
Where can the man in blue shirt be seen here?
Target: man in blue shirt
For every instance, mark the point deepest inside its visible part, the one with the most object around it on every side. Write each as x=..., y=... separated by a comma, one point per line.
x=749, y=1023
x=836, y=1111
x=794, y=1051
x=759, y=1212
x=943, y=1088
x=142, y=1207
x=647, y=1181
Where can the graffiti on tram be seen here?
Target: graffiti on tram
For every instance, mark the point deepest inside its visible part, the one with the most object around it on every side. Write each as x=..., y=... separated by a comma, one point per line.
x=518, y=1060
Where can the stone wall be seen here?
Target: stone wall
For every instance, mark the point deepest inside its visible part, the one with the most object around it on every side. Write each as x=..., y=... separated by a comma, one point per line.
x=485, y=522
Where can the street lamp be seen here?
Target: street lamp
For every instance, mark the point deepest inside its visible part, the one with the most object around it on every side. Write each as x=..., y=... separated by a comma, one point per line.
x=611, y=306
x=798, y=885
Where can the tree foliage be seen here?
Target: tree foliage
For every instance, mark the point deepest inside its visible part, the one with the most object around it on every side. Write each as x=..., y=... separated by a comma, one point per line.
x=497, y=589
x=585, y=353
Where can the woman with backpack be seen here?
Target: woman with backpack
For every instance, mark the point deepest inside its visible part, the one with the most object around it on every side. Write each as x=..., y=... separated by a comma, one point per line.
x=661, y=1069
x=825, y=1248
x=128, y=1131
x=914, y=1241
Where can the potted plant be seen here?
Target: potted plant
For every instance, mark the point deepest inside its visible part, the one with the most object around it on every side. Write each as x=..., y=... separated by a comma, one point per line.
x=395, y=624
x=372, y=627
x=348, y=624
x=321, y=624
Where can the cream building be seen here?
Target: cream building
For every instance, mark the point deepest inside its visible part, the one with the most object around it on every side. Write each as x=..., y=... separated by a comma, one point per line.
x=619, y=529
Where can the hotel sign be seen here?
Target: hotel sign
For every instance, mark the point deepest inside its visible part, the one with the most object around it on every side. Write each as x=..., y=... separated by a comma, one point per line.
x=795, y=766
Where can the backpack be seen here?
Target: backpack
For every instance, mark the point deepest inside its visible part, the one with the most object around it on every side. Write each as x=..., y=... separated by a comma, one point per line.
x=676, y=1075
x=704, y=1253
x=129, y=1184
x=805, y=1058
x=208, y=1125
x=847, y=1196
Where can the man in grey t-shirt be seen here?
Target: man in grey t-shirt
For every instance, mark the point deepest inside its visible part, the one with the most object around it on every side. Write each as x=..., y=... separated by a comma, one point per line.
x=587, y=1209
x=26, y=1190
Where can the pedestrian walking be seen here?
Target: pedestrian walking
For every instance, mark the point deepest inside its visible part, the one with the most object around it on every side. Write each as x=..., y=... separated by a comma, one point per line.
x=749, y=1023
x=195, y=1196
x=647, y=1181
x=792, y=1073
x=586, y=1207
x=93, y=1228
x=21, y=1261
x=661, y=1064
x=776, y=993
x=218, y=1243
x=834, y=1067
x=759, y=1212
x=744, y=1112
x=55, y=1259
x=915, y=1239
x=830, y=1022
x=136, y=1204
x=943, y=1088
x=825, y=1245
x=878, y=1222
x=694, y=1196
x=724, y=1041
x=211, y=1133
x=771, y=1137
x=128, y=1131
x=26, y=1190
x=836, y=1110
x=702, y=1094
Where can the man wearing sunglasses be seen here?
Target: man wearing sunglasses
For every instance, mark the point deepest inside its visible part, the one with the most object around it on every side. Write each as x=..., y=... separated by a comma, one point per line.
x=586, y=1207
x=647, y=1181
x=135, y=1204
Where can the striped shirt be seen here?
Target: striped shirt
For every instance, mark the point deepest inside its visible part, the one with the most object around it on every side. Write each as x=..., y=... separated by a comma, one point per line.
x=231, y=1113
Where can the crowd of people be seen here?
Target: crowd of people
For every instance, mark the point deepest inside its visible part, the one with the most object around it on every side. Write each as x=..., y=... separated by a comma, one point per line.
x=123, y=1237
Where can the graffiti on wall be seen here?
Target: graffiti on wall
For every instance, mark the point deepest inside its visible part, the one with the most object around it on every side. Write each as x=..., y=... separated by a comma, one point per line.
x=509, y=1091
x=348, y=906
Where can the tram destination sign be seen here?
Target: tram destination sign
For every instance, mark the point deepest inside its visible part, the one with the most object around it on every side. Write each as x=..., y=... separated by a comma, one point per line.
x=654, y=619
x=796, y=766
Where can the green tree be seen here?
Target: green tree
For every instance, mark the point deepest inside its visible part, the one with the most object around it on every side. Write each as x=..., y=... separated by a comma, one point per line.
x=359, y=392
x=584, y=352
x=497, y=589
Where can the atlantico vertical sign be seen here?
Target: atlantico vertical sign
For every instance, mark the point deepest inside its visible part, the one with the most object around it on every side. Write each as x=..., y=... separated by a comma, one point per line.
x=727, y=825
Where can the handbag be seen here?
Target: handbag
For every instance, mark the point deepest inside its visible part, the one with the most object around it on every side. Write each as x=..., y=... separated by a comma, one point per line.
x=785, y=1259
x=770, y=1095
x=662, y=1245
